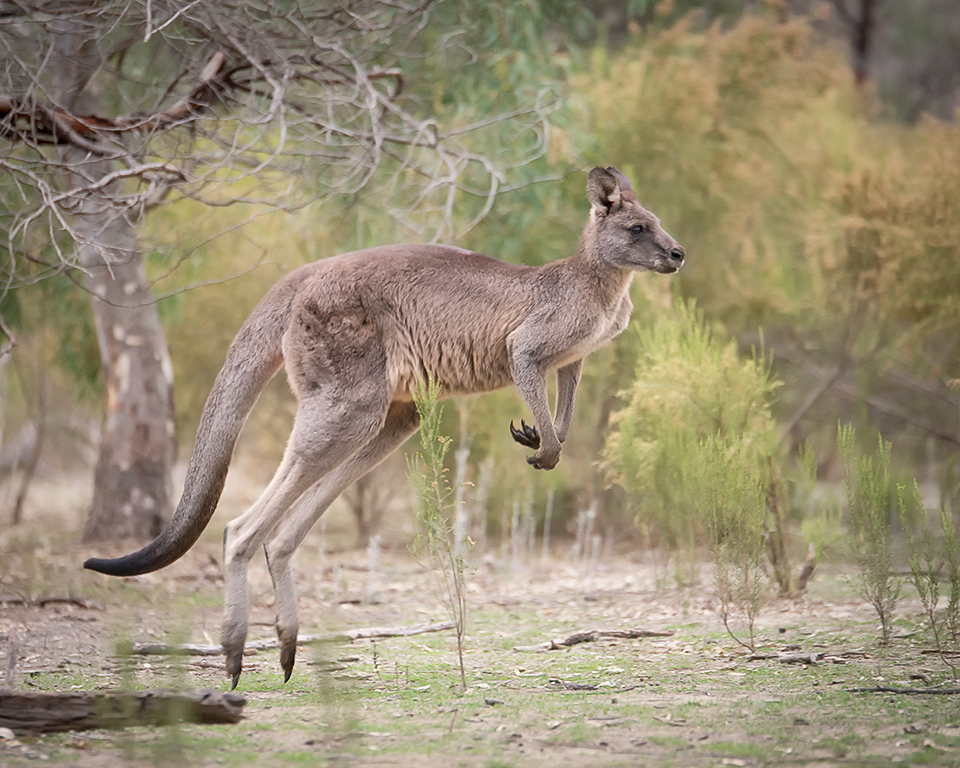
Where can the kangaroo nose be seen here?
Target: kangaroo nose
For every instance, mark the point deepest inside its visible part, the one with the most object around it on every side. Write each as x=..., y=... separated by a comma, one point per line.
x=677, y=254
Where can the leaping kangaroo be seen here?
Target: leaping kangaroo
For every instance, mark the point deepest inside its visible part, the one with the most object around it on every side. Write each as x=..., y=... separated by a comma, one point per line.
x=358, y=334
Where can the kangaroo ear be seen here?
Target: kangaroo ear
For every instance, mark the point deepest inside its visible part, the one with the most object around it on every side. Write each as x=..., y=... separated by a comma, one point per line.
x=604, y=189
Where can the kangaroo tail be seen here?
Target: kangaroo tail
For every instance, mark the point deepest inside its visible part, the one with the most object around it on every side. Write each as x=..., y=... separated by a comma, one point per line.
x=253, y=358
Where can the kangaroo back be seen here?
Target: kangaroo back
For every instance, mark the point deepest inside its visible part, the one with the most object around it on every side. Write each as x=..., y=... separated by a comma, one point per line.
x=254, y=357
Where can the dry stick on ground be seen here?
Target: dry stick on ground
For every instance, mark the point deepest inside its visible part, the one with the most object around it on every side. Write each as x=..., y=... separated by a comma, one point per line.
x=42, y=602
x=789, y=658
x=41, y=712
x=189, y=649
x=890, y=689
x=592, y=636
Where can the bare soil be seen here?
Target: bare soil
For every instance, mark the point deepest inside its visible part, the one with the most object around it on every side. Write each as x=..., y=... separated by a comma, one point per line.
x=694, y=698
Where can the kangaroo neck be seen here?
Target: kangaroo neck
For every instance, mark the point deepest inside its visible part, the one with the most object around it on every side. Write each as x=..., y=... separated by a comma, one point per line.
x=607, y=281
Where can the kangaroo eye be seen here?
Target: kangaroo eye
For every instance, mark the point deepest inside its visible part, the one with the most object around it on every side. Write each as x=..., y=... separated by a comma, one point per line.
x=637, y=229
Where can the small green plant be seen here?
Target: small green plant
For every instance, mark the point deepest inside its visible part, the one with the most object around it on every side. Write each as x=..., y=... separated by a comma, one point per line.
x=436, y=539
x=731, y=499
x=931, y=554
x=866, y=487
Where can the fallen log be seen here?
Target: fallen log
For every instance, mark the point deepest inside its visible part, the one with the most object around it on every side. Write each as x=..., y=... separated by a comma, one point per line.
x=591, y=636
x=370, y=633
x=26, y=712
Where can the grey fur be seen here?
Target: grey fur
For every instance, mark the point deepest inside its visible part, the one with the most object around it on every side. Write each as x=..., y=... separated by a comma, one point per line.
x=358, y=333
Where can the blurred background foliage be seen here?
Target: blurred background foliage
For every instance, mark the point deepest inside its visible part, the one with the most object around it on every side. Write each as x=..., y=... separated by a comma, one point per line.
x=821, y=219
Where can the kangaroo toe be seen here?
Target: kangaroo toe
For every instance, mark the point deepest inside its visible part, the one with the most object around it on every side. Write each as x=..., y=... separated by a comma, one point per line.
x=288, y=656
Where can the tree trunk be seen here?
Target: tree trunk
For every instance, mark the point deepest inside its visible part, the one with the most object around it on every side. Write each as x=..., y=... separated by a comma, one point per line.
x=863, y=39
x=132, y=481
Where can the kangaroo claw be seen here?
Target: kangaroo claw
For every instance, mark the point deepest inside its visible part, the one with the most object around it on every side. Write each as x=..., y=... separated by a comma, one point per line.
x=288, y=655
x=527, y=435
x=234, y=664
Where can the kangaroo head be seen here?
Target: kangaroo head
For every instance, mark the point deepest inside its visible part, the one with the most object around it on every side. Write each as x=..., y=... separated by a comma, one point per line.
x=624, y=232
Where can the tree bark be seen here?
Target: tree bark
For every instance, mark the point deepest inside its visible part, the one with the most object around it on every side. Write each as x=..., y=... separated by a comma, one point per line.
x=132, y=480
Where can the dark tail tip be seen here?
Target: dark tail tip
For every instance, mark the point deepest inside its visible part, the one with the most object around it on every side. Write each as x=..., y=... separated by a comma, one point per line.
x=152, y=557
x=115, y=567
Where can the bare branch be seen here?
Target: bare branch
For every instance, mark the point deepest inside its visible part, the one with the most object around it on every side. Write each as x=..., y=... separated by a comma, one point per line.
x=230, y=103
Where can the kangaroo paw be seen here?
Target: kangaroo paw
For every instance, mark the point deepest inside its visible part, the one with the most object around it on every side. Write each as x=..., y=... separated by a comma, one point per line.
x=544, y=460
x=527, y=435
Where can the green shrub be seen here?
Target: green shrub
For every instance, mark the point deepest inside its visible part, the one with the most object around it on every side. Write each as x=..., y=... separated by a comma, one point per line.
x=690, y=385
x=933, y=555
x=731, y=500
x=867, y=491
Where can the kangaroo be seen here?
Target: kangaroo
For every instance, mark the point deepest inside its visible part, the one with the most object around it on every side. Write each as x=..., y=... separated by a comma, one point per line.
x=359, y=333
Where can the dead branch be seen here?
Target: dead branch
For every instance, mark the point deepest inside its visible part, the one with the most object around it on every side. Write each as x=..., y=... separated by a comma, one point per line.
x=190, y=649
x=788, y=657
x=42, y=712
x=809, y=566
x=592, y=636
x=13, y=653
x=30, y=121
x=911, y=691
x=10, y=342
x=43, y=602
x=800, y=658
x=557, y=684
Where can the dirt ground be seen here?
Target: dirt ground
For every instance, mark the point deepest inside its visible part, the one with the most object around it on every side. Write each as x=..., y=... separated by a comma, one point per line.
x=693, y=697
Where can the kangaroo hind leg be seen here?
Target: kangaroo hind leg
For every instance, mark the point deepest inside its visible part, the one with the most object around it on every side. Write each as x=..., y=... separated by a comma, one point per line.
x=329, y=428
x=401, y=422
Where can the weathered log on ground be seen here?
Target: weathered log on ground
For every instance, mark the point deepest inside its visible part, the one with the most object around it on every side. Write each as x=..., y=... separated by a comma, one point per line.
x=26, y=712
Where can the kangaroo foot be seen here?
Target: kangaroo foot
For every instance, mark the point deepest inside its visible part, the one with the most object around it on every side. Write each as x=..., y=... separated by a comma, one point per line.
x=527, y=435
x=544, y=459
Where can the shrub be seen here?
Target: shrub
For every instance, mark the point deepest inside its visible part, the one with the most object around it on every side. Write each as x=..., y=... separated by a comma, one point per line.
x=731, y=500
x=867, y=491
x=690, y=385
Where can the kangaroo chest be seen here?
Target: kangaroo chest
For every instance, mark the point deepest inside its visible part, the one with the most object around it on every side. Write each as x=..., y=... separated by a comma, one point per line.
x=602, y=328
